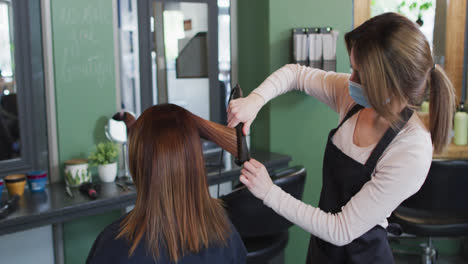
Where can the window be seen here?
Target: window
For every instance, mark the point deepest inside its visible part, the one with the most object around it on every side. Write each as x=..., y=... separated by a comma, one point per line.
x=447, y=20
x=6, y=47
x=419, y=11
x=23, y=132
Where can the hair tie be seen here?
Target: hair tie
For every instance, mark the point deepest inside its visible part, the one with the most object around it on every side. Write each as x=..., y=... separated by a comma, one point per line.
x=433, y=68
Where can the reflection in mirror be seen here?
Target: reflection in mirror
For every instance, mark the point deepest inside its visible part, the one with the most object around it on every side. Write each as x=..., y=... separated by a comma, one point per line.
x=224, y=54
x=190, y=57
x=9, y=125
x=116, y=130
x=185, y=46
x=181, y=69
x=129, y=66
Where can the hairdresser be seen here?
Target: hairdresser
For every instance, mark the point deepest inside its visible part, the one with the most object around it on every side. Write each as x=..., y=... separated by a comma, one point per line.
x=380, y=153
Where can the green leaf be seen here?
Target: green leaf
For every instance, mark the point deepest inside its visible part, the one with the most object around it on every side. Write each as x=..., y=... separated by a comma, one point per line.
x=425, y=6
x=105, y=153
x=68, y=177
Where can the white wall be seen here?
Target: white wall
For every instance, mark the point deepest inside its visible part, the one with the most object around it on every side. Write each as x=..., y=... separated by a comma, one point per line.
x=30, y=246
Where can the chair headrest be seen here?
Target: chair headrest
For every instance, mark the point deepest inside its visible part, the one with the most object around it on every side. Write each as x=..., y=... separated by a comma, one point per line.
x=444, y=189
x=251, y=217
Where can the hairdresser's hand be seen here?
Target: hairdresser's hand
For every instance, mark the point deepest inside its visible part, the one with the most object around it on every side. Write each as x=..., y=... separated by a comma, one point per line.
x=255, y=176
x=244, y=110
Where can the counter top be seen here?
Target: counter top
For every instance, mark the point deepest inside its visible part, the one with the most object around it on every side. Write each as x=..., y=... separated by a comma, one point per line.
x=55, y=206
x=453, y=152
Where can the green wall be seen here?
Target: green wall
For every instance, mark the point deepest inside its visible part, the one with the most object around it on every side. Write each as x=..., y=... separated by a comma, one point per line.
x=294, y=123
x=85, y=96
x=300, y=123
x=253, y=58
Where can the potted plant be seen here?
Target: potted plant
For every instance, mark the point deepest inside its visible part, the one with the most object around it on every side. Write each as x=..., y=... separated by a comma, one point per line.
x=420, y=6
x=105, y=158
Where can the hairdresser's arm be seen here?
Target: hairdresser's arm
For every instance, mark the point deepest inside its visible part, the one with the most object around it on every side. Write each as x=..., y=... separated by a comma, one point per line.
x=397, y=177
x=330, y=88
x=244, y=110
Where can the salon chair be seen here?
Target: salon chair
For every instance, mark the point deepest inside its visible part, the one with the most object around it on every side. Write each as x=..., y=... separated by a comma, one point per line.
x=439, y=208
x=264, y=232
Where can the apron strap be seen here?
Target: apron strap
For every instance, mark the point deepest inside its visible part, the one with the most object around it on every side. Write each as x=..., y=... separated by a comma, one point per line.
x=350, y=113
x=387, y=138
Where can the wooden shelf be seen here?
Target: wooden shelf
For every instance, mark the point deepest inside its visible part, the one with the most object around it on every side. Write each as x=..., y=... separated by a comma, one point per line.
x=453, y=152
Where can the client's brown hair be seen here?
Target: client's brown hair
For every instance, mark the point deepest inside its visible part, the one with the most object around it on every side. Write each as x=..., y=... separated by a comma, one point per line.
x=174, y=210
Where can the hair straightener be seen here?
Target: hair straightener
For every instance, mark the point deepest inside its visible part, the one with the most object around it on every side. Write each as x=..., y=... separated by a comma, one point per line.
x=243, y=153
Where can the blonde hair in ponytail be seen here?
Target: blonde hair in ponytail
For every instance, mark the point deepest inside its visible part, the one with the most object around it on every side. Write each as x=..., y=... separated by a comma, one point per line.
x=441, y=108
x=395, y=63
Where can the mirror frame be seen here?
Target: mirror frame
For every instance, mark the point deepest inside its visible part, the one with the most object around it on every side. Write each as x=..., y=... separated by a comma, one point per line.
x=29, y=77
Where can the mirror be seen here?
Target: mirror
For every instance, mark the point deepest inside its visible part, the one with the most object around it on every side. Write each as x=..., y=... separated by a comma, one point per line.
x=185, y=47
x=10, y=142
x=176, y=52
x=128, y=56
x=190, y=56
x=116, y=130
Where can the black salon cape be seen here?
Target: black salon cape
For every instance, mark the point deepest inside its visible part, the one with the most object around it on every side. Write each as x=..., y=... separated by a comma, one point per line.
x=106, y=249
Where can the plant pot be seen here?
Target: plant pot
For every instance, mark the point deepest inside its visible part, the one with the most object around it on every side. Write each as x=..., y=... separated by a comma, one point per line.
x=15, y=184
x=37, y=180
x=107, y=172
x=77, y=172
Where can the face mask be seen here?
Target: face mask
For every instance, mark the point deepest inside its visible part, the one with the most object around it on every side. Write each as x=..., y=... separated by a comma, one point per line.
x=356, y=92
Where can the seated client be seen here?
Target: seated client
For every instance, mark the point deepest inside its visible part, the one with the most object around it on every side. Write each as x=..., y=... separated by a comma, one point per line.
x=175, y=220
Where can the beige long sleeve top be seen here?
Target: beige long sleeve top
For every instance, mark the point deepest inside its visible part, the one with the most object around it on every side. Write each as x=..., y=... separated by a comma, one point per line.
x=399, y=173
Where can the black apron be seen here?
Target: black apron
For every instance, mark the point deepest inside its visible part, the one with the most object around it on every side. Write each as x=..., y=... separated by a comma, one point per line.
x=343, y=177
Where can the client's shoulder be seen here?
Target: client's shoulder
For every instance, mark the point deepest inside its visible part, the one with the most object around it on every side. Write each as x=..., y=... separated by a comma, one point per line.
x=111, y=231
x=107, y=248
